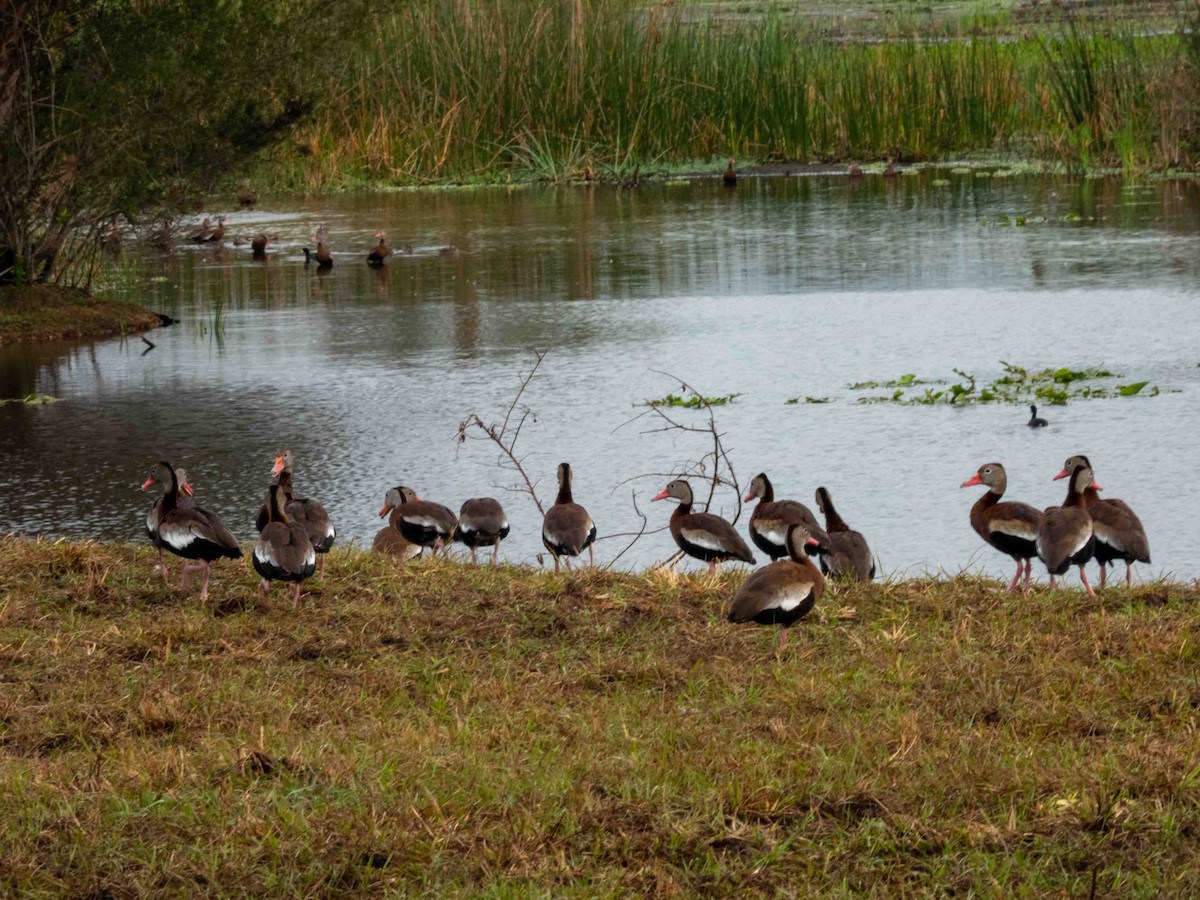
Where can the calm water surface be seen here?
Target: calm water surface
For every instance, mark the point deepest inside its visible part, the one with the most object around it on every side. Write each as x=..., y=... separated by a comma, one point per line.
x=785, y=288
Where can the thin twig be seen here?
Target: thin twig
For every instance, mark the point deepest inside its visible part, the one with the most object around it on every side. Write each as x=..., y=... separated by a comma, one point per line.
x=636, y=537
x=506, y=440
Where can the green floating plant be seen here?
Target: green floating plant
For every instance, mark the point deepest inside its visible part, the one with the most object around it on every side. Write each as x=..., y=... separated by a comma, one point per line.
x=1017, y=385
x=692, y=402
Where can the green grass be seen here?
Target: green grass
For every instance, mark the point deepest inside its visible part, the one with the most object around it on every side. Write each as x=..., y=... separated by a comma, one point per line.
x=535, y=89
x=47, y=313
x=446, y=730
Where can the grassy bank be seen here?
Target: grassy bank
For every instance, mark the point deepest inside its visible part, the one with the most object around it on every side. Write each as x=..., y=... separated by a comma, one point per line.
x=454, y=730
x=540, y=89
x=45, y=313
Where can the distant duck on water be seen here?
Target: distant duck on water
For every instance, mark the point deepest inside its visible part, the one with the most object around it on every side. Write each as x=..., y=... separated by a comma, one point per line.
x=1035, y=421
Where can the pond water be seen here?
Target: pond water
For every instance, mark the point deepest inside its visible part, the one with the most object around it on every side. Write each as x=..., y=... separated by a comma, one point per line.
x=784, y=288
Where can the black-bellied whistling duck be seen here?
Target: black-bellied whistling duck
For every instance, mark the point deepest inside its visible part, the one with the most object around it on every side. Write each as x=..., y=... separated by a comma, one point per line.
x=770, y=519
x=245, y=194
x=1118, y=530
x=390, y=541
x=890, y=171
x=201, y=235
x=322, y=257
x=856, y=172
x=1010, y=527
x=154, y=513
x=305, y=511
x=283, y=551
x=567, y=528
x=784, y=591
x=380, y=252
x=730, y=177
x=848, y=555
x=217, y=234
x=1065, y=537
x=191, y=533
x=1035, y=421
x=705, y=536
x=258, y=247
x=482, y=523
x=421, y=522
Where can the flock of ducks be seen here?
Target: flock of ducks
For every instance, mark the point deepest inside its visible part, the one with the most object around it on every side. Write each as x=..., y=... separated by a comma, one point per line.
x=295, y=533
x=320, y=255
x=1084, y=528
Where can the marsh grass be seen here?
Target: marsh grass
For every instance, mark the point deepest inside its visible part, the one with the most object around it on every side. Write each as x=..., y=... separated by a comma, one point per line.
x=533, y=89
x=454, y=730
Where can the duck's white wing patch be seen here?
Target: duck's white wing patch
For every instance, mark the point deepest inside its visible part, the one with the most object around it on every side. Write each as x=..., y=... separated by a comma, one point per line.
x=1110, y=536
x=1015, y=528
x=790, y=599
x=263, y=552
x=774, y=532
x=178, y=537
x=424, y=522
x=702, y=539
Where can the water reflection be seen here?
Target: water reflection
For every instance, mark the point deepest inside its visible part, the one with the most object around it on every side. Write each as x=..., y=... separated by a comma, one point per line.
x=784, y=288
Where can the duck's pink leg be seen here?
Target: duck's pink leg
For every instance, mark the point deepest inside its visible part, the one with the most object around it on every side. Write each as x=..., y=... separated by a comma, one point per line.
x=1087, y=587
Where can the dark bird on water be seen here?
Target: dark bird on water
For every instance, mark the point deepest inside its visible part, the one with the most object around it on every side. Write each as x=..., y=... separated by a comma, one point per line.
x=1035, y=421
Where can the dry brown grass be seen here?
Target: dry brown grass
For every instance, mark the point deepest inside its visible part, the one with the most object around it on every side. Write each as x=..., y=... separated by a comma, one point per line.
x=444, y=729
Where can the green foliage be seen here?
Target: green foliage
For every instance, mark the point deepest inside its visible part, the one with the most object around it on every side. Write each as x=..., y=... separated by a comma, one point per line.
x=692, y=401
x=1016, y=385
x=124, y=107
x=538, y=89
x=32, y=400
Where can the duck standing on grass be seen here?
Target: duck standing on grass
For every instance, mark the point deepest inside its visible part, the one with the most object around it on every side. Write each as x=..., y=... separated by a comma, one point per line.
x=1065, y=537
x=783, y=592
x=192, y=533
x=1119, y=532
x=482, y=523
x=1010, y=527
x=303, y=510
x=705, y=536
x=567, y=528
x=420, y=522
x=848, y=555
x=283, y=551
x=154, y=515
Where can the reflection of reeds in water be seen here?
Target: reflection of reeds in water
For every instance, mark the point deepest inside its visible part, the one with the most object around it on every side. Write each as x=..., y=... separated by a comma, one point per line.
x=549, y=88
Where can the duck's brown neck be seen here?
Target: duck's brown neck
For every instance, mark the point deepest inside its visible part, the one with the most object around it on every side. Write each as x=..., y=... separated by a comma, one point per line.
x=171, y=491
x=276, y=512
x=833, y=522
x=564, y=493
x=285, y=482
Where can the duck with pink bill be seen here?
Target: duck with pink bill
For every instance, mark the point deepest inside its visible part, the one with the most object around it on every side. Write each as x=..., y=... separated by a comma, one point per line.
x=1066, y=537
x=702, y=535
x=1009, y=526
x=1119, y=532
x=192, y=533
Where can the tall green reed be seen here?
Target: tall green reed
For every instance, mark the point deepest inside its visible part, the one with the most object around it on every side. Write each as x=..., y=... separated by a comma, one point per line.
x=544, y=88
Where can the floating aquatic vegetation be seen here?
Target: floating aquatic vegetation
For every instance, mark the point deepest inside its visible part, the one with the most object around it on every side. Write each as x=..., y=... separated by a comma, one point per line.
x=692, y=402
x=792, y=401
x=32, y=400
x=1017, y=385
